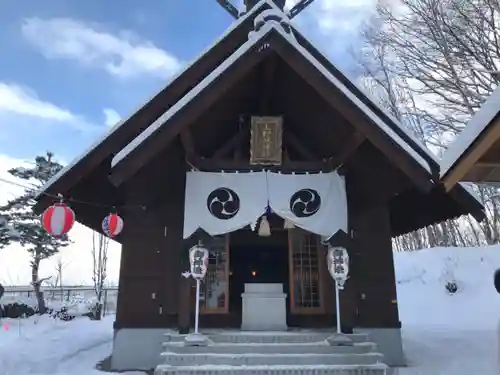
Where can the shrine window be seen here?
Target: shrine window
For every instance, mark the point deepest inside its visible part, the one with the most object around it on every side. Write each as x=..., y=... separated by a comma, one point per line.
x=214, y=288
x=305, y=275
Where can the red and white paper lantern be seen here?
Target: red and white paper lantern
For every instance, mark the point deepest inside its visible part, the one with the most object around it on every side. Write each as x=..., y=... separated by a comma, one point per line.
x=112, y=225
x=58, y=219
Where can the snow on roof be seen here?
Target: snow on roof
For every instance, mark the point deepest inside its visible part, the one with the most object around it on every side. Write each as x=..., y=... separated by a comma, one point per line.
x=476, y=125
x=113, y=129
x=229, y=61
x=199, y=88
x=398, y=123
x=356, y=101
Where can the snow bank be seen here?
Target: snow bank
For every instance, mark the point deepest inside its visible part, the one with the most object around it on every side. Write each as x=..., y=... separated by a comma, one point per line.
x=449, y=334
x=41, y=345
x=422, y=296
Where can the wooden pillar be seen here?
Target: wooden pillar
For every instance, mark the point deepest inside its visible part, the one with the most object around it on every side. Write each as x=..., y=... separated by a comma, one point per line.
x=376, y=280
x=370, y=295
x=152, y=245
x=137, y=304
x=172, y=247
x=171, y=199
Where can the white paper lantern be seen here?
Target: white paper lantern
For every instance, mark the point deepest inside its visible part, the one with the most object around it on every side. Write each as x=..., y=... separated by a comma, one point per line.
x=198, y=260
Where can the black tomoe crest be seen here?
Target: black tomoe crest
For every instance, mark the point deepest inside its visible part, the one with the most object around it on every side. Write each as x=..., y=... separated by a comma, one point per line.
x=223, y=203
x=305, y=202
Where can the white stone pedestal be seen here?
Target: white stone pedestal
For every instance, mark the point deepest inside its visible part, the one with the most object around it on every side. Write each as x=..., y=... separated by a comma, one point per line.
x=264, y=308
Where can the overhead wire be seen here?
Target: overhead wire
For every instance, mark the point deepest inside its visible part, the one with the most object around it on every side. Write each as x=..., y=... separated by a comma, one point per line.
x=60, y=197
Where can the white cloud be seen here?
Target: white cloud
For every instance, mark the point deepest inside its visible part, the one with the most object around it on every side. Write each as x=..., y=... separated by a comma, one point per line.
x=14, y=260
x=332, y=15
x=16, y=100
x=124, y=55
x=111, y=117
x=22, y=101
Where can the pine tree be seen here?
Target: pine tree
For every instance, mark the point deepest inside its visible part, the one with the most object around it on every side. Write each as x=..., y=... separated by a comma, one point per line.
x=24, y=225
x=5, y=232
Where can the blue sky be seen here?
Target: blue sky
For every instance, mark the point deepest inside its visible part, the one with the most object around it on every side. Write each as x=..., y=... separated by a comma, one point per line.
x=71, y=68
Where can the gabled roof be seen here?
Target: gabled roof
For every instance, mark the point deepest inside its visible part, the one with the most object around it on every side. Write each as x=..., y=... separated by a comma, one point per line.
x=179, y=84
x=143, y=143
x=479, y=136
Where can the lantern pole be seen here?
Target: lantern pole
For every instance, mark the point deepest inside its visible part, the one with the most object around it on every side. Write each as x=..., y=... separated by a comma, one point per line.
x=197, y=309
x=337, y=305
x=198, y=259
x=338, y=266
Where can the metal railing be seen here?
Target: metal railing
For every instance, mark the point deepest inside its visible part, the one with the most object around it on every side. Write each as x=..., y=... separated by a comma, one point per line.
x=66, y=294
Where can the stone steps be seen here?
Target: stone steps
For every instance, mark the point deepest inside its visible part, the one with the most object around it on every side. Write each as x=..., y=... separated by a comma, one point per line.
x=268, y=337
x=310, y=348
x=260, y=359
x=270, y=353
x=378, y=369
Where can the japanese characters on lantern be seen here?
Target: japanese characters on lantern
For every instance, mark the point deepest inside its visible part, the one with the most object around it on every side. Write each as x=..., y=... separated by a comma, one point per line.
x=198, y=259
x=338, y=263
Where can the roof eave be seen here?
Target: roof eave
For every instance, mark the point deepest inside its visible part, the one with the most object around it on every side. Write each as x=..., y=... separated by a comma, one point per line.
x=69, y=175
x=477, y=126
x=399, y=129
x=121, y=162
x=124, y=165
x=469, y=201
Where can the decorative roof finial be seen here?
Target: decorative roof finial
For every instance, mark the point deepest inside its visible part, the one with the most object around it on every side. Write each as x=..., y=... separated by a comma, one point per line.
x=271, y=18
x=249, y=4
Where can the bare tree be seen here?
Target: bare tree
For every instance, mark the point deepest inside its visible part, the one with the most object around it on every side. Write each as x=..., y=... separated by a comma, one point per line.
x=447, y=50
x=57, y=280
x=431, y=64
x=100, y=244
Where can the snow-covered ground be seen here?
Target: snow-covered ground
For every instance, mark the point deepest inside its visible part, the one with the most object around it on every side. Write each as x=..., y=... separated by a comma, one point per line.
x=449, y=334
x=443, y=334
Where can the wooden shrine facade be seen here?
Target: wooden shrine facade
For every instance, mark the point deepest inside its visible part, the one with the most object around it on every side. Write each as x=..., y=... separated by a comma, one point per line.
x=260, y=69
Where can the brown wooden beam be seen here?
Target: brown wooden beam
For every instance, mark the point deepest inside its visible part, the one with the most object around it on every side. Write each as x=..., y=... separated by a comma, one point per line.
x=486, y=164
x=210, y=164
x=350, y=148
x=188, y=143
x=232, y=144
x=291, y=140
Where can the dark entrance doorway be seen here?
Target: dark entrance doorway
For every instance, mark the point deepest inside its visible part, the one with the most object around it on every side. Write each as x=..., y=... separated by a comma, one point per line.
x=255, y=259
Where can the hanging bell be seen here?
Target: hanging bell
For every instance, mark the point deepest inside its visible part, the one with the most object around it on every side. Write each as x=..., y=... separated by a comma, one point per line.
x=288, y=224
x=264, y=228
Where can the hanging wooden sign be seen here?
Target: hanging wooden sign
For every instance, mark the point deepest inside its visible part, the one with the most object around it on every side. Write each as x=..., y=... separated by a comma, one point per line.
x=266, y=140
